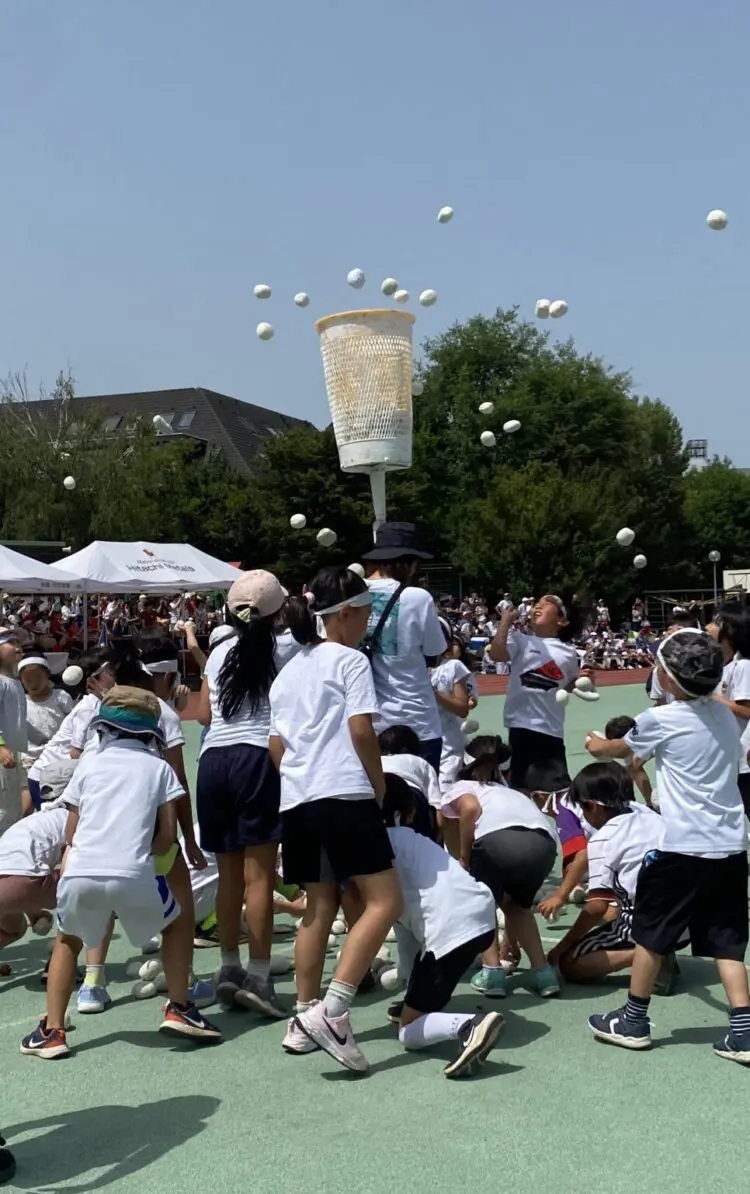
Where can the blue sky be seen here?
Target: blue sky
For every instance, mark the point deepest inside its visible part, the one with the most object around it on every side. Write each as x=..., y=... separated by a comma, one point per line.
x=159, y=157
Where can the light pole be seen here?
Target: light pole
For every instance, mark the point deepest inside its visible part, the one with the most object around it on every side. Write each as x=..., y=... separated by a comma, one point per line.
x=714, y=557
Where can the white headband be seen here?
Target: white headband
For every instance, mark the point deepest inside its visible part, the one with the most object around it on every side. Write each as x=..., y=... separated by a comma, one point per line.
x=33, y=661
x=164, y=667
x=359, y=600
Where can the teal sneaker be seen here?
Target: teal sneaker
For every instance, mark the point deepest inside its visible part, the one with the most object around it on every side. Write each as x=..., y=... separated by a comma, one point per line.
x=544, y=981
x=491, y=981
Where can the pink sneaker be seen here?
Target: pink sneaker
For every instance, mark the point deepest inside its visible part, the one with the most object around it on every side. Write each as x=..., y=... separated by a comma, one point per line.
x=296, y=1041
x=334, y=1036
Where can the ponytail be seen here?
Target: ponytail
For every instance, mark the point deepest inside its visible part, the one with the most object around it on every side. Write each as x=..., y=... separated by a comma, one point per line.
x=490, y=759
x=249, y=668
x=331, y=586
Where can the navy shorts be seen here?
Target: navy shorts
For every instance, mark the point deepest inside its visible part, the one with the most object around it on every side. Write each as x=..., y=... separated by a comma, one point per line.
x=237, y=796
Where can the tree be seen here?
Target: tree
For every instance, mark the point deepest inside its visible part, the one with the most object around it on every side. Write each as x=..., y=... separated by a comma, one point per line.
x=717, y=508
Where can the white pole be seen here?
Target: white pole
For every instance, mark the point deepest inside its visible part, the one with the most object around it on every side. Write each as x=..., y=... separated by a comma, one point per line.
x=377, y=488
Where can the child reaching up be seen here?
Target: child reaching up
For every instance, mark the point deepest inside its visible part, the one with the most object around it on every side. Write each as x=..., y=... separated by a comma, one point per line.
x=324, y=745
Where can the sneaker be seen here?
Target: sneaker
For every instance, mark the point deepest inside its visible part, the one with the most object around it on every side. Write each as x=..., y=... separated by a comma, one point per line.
x=617, y=1029
x=206, y=938
x=188, y=1021
x=735, y=1046
x=476, y=1039
x=227, y=983
x=49, y=1044
x=335, y=1036
x=296, y=1041
x=201, y=993
x=261, y=997
x=394, y=1012
x=92, y=1000
x=666, y=979
x=7, y=1163
x=492, y=983
x=544, y=981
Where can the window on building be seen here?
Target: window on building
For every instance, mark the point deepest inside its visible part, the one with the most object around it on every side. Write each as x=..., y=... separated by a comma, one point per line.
x=167, y=416
x=186, y=418
x=272, y=430
x=112, y=422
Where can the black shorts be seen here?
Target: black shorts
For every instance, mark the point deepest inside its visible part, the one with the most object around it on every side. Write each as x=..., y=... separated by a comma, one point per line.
x=513, y=862
x=537, y=761
x=331, y=841
x=705, y=896
x=433, y=980
x=237, y=797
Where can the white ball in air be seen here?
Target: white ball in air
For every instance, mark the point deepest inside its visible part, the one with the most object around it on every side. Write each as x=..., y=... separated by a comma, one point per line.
x=264, y=331
x=326, y=537
x=584, y=684
x=72, y=676
x=390, y=979
x=486, y=408
x=625, y=537
x=428, y=298
x=640, y=562
x=488, y=439
x=389, y=286
x=356, y=278
x=401, y=296
x=445, y=215
x=717, y=219
x=562, y=696
x=302, y=299
x=338, y=927
x=298, y=522
x=558, y=309
x=69, y=482
x=512, y=426
x=470, y=726
x=541, y=310
x=261, y=291
x=417, y=387
x=358, y=569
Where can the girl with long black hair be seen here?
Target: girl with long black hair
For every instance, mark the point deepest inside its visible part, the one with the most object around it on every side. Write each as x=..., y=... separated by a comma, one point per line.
x=731, y=629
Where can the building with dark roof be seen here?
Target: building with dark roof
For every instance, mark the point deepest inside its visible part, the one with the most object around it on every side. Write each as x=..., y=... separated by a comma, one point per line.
x=236, y=428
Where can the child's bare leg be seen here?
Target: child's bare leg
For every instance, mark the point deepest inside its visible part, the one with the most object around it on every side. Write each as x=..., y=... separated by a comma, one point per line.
x=351, y=903
x=61, y=976
x=522, y=926
x=260, y=879
x=491, y=956
x=733, y=976
x=177, y=939
x=312, y=939
x=229, y=897
x=383, y=903
x=98, y=956
x=12, y=928
x=646, y=966
x=596, y=965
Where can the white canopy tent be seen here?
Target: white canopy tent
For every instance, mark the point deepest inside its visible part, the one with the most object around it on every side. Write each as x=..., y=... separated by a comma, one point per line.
x=22, y=574
x=142, y=567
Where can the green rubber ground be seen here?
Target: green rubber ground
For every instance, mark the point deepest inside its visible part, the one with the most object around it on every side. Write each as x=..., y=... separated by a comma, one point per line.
x=553, y=1110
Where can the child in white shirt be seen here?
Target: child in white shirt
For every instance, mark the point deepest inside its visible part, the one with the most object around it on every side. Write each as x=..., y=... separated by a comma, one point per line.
x=399, y=746
x=13, y=736
x=30, y=856
x=697, y=881
x=450, y=681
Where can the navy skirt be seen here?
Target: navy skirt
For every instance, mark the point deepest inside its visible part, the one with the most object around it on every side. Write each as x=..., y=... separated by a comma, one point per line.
x=237, y=796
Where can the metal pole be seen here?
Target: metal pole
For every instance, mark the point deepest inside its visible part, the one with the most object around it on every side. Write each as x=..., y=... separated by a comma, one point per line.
x=377, y=489
x=716, y=589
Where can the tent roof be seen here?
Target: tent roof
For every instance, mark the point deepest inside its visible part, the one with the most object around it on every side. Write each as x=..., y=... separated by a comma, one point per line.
x=22, y=574
x=143, y=567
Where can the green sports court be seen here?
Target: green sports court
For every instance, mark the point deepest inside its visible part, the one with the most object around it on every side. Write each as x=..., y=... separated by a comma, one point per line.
x=553, y=1110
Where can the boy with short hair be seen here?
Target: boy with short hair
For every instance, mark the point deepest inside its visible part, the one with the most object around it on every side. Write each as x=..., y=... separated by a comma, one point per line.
x=697, y=880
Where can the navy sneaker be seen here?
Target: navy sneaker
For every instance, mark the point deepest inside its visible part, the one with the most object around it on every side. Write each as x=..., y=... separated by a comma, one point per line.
x=735, y=1046
x=617, y=1029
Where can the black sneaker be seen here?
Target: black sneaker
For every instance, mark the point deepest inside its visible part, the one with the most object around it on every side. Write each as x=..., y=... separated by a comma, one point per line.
x=394, y=1012
x=476, y=1039
x=7, y=1163
x=666, y=979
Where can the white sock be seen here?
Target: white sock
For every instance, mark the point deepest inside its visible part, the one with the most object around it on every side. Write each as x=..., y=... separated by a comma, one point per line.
x=432, y=1029
x=259, y=970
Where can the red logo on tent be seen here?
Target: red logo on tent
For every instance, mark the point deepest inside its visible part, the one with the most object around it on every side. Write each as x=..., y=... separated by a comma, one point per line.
x=146, y=552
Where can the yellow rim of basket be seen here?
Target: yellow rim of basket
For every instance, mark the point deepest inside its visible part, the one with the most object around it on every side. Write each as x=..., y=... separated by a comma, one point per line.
x=327, y=320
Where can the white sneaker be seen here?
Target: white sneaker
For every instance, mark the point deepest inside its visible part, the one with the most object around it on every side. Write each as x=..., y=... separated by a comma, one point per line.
x=334, y=1036
x=296, y=1040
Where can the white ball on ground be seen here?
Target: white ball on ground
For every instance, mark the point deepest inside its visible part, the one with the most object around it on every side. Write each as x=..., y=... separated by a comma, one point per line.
x=72, y=676
x=488, y=439
x=69, y=482
x=302, y=299
x=338, y=927
x=150, y=969
x=378, y=965
x=152, y=946
x=42, y=925
x=470, y=726
x=640, y=561
x=281, y=964
x=512, y=426
x=326, y=537
x=144, y=990
x=390, y=935
x=298, y=522
x=541, y=310
x=562, y=696
x=358, y=569
x=384, y=954
x=389, y=286
x=558, y=309
x=428, y=298
x=390, y=979
x=625, y=537
x=264, y=331
x=445, y=215
x=584, y=684
x=401, y=296
x=717, y=219
x=261, y=291
x=332, y=941
x=486, y=408
x=356, y=278
x=417, y=387
x=133, y=968
x=160, y=982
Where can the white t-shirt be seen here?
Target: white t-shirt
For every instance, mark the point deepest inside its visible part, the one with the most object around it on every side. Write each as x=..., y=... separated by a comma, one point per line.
x=444, y=679
x=502, y=808
x=75, y=725
x=697, y=749
x=538, y=668
x=616, y=851
x=417, y=772
x=43, y=720
x=12, y=714
x=118, y=791
x=402, y=681
x=244, y=728
x=312, y=700
x=444, y=907
x=735, y=686
x=34, y=846
x=657, y=692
